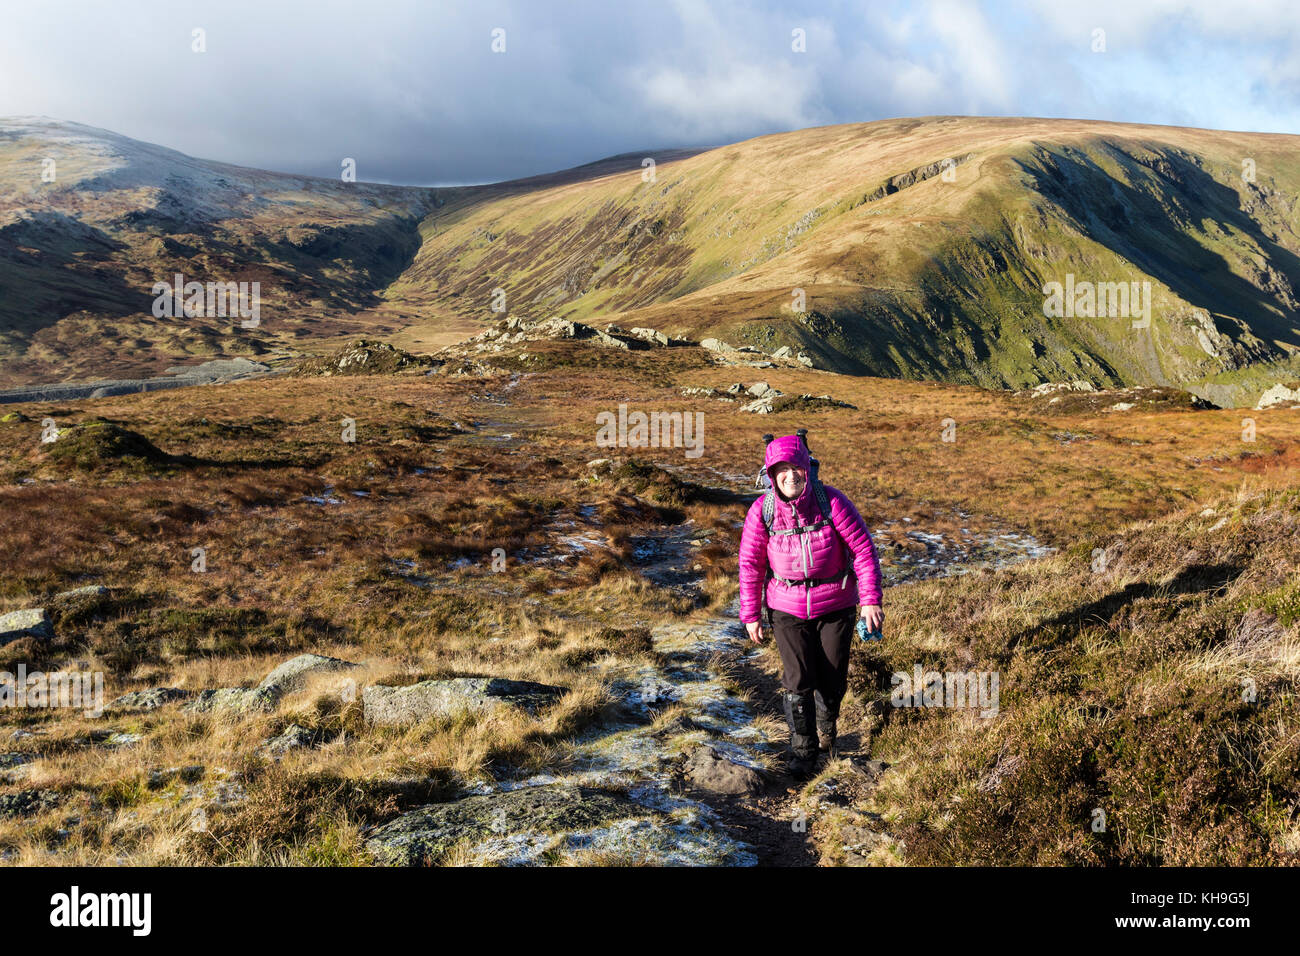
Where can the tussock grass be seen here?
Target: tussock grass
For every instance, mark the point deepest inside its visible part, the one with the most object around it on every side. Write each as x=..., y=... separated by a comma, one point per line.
x=1123, y=691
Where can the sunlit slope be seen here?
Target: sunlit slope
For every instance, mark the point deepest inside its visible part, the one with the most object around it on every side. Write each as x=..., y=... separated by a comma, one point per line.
x=90, y=220
x=902, y=270
x=908, y=272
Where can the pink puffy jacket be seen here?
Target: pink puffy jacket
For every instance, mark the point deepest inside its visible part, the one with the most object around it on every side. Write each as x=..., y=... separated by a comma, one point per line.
x=818, y=554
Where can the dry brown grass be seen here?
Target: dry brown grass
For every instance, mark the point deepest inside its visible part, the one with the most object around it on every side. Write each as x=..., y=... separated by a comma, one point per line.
x=370, y=579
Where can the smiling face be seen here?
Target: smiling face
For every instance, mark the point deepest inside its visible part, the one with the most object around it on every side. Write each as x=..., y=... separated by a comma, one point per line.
x=790, y=479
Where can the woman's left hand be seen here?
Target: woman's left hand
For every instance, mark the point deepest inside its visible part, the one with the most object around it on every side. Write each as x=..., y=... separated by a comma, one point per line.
x=874, y=615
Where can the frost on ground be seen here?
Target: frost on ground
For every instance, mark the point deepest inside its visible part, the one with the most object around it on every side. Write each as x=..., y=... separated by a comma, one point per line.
x=636, y=758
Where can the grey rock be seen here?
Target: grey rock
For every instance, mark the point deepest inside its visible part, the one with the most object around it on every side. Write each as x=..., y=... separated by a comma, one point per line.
x=710, y=770
x=32, y=622
x=651, y=335
x=759, y=388
x=14, y=766
x=237, y=700
x=87, y=593
x=613, y=336
x=112, y=738
x=421, y=836
x=292, y=738
x=561, y=329
x=872, y=769
x=219, y=795
x=783, y=352
x=716, y=345
x=26, y=803
x=810, y=400
x=1279, y=395
x=858, y=843
x=150, y=699
x=402, y=706
x=293, y=673
x=265, y=696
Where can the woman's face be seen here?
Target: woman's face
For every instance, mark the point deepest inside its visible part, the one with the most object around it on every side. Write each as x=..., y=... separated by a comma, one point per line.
x=790, y=479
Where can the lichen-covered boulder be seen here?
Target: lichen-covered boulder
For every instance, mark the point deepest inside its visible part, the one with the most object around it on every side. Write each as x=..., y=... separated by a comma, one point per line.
x=89, y=593
x=150, y=699
x=26, y=803
x=237, y=700
x=292, y=737
x=32, y=622
x=293, y=673
x=420, y=837
x=403, y=706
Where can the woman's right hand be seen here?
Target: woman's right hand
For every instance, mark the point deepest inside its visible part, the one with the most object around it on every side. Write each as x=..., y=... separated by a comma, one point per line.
x=755, y=629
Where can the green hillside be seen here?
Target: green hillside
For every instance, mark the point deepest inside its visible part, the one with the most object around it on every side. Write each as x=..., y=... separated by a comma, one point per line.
x=915, y=248
x=908, y=272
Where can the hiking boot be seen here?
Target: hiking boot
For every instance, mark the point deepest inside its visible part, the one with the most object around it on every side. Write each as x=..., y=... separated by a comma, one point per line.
x=826, y=730
x=826, y=742
x=799, y=768
x=800, y=716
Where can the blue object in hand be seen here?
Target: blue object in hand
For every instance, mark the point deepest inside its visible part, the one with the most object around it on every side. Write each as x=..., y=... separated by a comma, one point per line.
x=866, y=635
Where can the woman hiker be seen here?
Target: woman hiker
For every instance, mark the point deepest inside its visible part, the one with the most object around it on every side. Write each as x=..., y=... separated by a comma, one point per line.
x=812, y=573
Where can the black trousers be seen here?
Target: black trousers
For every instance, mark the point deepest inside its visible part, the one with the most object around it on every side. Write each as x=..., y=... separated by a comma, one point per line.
x=815, y=653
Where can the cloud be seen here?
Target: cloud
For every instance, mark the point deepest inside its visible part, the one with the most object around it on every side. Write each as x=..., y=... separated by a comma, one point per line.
x=414, y=92
x=975, y=54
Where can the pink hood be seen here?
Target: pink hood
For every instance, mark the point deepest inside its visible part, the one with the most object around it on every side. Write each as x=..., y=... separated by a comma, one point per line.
x=787, y=448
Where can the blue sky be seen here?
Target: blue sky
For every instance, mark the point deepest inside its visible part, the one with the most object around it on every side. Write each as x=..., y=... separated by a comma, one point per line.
x=413, y=91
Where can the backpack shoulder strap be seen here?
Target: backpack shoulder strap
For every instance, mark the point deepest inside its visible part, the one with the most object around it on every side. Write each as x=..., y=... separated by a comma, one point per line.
x=769, y=509
x=823, y=501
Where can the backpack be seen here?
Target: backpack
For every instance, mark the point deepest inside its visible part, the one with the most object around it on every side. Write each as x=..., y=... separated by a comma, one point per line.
x=764, y=480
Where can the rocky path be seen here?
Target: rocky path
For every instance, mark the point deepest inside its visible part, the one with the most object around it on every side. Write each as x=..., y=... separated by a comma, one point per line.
x=687, y=771
x=690, y=770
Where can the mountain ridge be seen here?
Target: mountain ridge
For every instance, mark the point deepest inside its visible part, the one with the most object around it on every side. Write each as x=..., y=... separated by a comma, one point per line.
x=921, y=245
